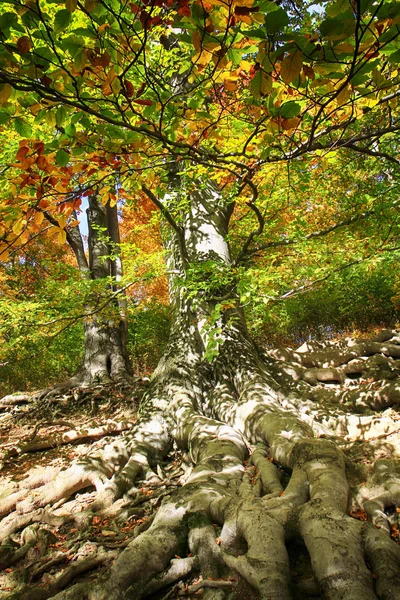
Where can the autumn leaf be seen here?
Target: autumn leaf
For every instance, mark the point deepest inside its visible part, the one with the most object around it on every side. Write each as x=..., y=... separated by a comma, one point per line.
x=130, y=90
x=261, y=84
x=343, y=96
x=291, y=66
x=143, y=102
x=290, y=123
x=24, y=44
x=61, y=236
x=38, y=218
x=71, y=5
x=5, y=92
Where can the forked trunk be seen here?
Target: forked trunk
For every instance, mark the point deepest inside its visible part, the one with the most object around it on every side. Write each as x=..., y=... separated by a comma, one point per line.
x=105, y=334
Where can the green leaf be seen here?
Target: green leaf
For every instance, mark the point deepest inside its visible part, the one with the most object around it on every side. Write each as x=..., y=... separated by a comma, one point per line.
x=61, y=115
x=62, y=158
x=62, y=20
x=261, y=85
x=4, y=117
x=276, y=20
x=22, y=127
x=338, y=29
x=7, y=21
x=289, y=110
x=395, y=57
x=337, y=8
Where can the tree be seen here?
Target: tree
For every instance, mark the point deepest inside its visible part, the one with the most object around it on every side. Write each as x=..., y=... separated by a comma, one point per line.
x=104, y=339
x=206, y=96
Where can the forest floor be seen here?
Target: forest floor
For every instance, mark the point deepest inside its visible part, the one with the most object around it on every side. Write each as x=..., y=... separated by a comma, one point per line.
x=40, y=435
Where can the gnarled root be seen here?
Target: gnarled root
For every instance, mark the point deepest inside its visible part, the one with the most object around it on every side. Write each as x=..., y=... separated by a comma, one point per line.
x=222, y=490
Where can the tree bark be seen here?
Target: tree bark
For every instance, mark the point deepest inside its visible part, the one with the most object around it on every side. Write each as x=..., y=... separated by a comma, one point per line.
x=105, y=338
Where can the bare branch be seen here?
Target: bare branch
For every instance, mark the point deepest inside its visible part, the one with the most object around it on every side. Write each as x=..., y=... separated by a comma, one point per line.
x=169, y=218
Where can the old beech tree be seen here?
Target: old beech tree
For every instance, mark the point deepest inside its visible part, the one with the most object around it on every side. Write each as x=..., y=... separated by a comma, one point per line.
x=190, y=103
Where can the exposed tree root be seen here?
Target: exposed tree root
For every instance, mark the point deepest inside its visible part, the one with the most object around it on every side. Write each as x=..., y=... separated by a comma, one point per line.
x=251, y=480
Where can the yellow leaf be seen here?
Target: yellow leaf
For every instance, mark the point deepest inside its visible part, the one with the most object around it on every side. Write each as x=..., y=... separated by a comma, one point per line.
x=62, y=221
x=258, y=17
x=50, y=118
x=21, y=239
x=212, y=46
x=18, y=226
x=202, y=59
x=62, y=236
x=38, y=218
x=291, y=66
x=4, y=252
x=343, y=95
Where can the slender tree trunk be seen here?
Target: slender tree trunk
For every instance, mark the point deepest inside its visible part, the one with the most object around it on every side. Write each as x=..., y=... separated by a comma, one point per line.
x=105, y=337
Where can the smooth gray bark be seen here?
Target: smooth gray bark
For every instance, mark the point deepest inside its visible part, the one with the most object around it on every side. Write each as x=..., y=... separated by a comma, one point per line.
x=105, y=354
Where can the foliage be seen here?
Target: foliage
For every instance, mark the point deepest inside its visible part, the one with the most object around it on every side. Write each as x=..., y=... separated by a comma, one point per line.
x=358, y=299
x=148, y=331
x=41, y=341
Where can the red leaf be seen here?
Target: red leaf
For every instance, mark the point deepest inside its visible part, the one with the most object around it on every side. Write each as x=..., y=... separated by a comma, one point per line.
x=144, y=102
x=130, y=90
x=145, y=19
x=140, y=90
x=185, y=11
x=42, y=163
x=46, y=81
x=39, y=147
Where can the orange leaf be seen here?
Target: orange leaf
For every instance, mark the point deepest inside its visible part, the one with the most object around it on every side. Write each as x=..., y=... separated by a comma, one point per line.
x=22, y=152
x=38, y=218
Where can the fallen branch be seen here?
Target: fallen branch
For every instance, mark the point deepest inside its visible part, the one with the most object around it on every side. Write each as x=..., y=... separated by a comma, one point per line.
x=68, y=437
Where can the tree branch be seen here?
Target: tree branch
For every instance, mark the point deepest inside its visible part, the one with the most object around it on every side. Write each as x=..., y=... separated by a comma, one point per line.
x=314, y=234
x=169, y=218
x=260, y=218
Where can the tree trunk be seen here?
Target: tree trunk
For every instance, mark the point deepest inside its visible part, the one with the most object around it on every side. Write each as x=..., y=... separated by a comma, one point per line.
x=268, y=508
x=105, y=338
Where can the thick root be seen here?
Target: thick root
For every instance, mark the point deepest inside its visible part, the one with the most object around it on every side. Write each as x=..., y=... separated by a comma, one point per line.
x=221, y=491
